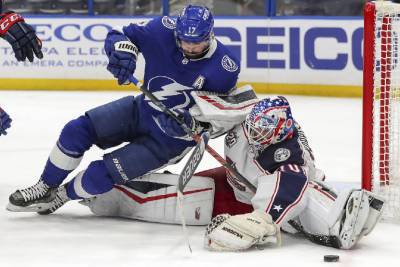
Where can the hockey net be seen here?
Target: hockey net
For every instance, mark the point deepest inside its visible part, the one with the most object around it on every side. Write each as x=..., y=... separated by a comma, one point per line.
x=381, y=104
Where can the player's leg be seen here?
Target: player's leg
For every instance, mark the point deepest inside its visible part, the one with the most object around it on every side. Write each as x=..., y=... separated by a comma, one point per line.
x=145, y=155
x=339, y=221
x=106, y=125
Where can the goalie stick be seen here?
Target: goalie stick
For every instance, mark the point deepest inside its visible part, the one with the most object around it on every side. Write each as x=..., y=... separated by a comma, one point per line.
x=234, y=173
x=185, y=176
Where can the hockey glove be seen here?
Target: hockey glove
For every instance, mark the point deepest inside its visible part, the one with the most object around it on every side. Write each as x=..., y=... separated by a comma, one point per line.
x=172, y=128
x=5, y=122
x=21, y=36
x=122, y=55
x=241, y=232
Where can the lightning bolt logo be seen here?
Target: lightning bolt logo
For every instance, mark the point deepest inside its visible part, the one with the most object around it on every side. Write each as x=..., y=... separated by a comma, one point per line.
x=169, y=89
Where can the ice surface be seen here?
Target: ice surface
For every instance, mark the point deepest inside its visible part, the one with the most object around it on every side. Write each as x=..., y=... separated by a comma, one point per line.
x=74, y=237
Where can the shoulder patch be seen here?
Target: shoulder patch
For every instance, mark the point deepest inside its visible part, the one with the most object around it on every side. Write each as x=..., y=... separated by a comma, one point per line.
x=228, y=64
x=231, y=139
x=281, y=154
x=168, y=22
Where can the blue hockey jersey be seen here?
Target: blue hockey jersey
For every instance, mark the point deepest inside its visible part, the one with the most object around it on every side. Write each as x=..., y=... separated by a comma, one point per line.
x=169, y=75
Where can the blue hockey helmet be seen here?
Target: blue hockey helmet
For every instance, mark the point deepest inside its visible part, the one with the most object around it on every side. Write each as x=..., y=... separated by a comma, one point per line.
x=269, y=122
x=194, y=25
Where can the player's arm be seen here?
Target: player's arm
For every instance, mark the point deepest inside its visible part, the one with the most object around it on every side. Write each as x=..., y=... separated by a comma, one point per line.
x=5, y=121
x=21, y=36
x=122, y=46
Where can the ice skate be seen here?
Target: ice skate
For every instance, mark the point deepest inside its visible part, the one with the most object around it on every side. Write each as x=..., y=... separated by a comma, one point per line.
x=32, y=199
x=60, y=199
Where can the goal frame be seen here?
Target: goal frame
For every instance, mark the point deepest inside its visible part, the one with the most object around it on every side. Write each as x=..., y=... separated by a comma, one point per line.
x=369, y=96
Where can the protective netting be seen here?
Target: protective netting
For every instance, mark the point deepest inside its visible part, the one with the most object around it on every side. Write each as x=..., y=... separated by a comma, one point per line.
x=386, y=108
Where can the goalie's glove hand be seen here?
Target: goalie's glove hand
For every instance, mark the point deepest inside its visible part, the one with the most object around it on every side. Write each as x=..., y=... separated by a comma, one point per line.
x=5, y=122
x=21, y=36
x=122, y=55
x=172, y=128
x=241, y=232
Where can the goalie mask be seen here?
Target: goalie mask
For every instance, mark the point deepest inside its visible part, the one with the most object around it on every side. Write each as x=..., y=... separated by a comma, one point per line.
x=194, y=31
x=269, y=122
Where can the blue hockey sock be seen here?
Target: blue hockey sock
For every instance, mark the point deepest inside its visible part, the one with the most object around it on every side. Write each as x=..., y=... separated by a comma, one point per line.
x=76, y=137
x=93, y=181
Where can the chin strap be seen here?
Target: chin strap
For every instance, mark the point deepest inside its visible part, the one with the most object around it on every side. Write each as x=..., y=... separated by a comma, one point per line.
x=205, y=54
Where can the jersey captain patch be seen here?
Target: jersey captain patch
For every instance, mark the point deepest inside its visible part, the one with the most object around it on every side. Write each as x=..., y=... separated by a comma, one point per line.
x=168, y=22
x=228, y=64
x=281, y=154
x=198, y=84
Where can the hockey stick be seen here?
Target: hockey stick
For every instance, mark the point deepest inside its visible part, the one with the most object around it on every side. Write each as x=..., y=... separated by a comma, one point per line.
x=185, y=176
x=234, y=173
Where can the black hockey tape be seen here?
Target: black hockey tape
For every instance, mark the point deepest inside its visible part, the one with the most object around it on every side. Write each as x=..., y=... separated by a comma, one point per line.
x=331, y=258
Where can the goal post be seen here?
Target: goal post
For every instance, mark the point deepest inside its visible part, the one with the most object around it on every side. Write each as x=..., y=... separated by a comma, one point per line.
x=381, y=104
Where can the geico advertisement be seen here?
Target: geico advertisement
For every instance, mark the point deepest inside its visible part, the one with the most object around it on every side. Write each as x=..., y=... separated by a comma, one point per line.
x=295, y=51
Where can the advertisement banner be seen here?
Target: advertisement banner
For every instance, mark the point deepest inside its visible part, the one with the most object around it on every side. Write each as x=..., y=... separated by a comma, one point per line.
x=318, y=54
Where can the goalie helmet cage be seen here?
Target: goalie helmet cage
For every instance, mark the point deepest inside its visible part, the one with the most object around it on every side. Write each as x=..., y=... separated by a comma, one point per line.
x=381, y=104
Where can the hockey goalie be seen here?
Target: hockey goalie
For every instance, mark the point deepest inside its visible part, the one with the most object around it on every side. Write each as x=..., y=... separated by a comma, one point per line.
x=268, y=147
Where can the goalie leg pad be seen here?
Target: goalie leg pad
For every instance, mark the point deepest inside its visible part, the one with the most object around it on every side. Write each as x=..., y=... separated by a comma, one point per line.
x=153, y=198
x=363, y=210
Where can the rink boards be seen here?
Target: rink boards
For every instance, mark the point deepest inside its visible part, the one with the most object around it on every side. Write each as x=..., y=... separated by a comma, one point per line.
x=316, y=56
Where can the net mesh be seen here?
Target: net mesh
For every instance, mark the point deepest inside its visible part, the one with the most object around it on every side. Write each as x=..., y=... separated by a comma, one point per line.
x=386, y=108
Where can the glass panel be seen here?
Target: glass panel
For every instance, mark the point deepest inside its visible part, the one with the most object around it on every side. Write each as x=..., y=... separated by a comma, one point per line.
x=128, y=7
x=48, y=7
x=80, y=7
x=223, y=7
x=320, y=8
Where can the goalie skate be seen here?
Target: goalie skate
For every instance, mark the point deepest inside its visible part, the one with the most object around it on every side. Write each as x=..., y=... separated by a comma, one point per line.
x=32, y=199
x=362, y=212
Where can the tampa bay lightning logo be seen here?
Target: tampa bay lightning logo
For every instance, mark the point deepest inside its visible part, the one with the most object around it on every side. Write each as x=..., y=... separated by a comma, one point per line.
x=229, y=64
x=173, y=94
x=168, y=22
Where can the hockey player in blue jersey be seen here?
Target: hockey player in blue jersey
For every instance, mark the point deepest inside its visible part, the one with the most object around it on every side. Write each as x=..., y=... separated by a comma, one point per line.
x=20, y=35
x=182, y=56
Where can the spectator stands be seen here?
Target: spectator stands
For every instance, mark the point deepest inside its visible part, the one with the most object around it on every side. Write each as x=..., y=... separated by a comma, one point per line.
x=219, y=7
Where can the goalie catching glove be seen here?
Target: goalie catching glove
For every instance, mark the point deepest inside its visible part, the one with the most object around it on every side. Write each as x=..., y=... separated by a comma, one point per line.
x=21, y=36
x=240, y=232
